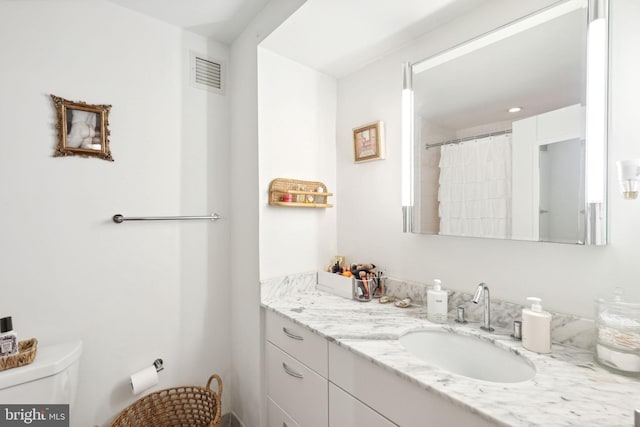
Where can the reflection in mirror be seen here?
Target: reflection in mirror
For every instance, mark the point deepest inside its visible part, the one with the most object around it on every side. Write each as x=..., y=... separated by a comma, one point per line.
x=561, y=213
x=495, y=137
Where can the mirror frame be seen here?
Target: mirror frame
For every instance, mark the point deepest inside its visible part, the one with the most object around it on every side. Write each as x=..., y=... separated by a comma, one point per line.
x=596, y=139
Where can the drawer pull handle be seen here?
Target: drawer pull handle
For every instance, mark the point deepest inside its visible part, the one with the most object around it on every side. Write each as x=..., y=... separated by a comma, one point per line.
x=290, y=335
x=291, y=372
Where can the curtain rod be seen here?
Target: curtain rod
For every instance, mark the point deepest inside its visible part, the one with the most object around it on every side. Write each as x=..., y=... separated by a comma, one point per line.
x=468, y=138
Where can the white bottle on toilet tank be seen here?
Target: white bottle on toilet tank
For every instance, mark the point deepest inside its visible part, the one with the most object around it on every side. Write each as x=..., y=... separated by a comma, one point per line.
x=437, y=303
x=536, y=327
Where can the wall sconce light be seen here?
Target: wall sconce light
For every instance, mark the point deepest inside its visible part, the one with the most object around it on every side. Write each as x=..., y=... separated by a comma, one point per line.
x=629, y=178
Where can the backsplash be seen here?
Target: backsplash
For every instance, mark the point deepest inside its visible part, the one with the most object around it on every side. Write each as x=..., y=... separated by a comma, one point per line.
x=565, y=329
x=288, y=285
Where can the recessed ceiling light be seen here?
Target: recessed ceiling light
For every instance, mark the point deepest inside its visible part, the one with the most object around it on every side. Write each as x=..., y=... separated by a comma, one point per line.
x=514, y=109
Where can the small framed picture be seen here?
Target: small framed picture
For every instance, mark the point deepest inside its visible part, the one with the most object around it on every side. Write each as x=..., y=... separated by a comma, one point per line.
x=83, y=129
x=368, y=142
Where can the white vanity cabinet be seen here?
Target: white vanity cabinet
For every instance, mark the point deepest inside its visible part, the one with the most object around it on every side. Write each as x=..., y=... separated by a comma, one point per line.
x=277, y=417
x=296, y=364
x=311, y=382
x=345, y=410
x=401, y=402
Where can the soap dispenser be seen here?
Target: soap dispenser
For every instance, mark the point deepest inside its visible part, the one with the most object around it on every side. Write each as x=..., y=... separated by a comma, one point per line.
x=437, y=303
x=536, y=327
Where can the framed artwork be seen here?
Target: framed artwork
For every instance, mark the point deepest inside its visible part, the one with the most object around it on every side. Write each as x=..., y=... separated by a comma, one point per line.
x=368, y=142
x=83, y=129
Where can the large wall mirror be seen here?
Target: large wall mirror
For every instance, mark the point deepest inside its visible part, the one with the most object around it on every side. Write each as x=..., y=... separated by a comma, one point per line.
x=504, y=136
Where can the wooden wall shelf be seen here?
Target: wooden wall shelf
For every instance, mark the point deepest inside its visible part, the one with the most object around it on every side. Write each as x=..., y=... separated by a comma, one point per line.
x=295, y=193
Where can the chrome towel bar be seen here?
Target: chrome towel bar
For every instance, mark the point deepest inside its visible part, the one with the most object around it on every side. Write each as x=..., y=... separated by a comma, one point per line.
x=119, y=219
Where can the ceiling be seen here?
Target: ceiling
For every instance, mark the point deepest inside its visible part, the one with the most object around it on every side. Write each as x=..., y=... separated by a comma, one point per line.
x=222, y=20
x=338, y=37
x=334, y=36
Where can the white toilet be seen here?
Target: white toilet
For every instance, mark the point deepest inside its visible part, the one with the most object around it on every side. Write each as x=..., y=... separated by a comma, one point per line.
x=51, y=378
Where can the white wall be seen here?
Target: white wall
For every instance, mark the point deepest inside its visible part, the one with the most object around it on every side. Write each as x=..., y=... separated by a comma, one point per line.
x=204, y=246
x=246, y=344
x=567, y=277
x=297, y=115
x=135, y=291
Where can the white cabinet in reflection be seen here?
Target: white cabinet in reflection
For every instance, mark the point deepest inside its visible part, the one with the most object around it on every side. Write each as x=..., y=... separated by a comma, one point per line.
x=548, y=176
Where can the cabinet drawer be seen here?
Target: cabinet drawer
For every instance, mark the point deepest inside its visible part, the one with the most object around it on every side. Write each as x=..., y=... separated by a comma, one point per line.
x=298, y=341
x=345, y=410
x=277, y=417
x=296, y=389
x=373, y=386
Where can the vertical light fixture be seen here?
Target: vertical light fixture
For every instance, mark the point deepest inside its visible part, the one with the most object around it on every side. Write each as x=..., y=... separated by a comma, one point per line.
x=596, y=102
x=596, y=123
x=407, y=149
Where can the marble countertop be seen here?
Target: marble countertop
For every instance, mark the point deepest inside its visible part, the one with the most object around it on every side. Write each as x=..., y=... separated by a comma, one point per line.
x=569, y=388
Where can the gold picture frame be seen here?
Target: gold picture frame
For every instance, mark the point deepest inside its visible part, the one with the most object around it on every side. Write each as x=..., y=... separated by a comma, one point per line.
x=368, y=142
x=83, y=129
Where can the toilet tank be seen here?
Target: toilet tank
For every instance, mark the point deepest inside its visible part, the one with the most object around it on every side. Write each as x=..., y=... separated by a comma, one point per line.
x=51, y=378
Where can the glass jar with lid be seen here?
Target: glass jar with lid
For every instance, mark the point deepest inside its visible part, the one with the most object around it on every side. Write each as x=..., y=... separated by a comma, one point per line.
x=618, y=335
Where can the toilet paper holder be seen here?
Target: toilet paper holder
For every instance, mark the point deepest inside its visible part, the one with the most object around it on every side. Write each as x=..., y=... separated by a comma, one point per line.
x=146, y=378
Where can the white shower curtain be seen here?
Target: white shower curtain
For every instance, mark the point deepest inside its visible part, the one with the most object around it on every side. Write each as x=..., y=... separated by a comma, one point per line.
x=475, y=187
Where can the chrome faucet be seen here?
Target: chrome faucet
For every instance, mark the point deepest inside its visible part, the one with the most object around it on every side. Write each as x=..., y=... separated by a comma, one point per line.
x=486, y=323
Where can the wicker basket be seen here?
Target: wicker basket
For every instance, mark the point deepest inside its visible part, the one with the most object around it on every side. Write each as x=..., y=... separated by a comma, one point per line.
x=188, y=406
x=26, y=354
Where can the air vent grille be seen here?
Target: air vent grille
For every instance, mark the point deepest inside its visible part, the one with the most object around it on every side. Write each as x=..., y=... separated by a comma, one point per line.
x=207, y=73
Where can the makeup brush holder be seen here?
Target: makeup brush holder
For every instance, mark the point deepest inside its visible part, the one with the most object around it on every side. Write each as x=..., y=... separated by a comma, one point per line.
x=366, y=289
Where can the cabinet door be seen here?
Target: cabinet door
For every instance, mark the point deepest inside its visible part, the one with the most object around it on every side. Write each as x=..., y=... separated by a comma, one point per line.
x=404, y=403
x=278, y=417
x=295, y=388
x=298, y=341
x=345, y=410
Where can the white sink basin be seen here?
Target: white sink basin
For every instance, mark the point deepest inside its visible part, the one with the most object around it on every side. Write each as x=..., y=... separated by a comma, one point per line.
x=468, y=356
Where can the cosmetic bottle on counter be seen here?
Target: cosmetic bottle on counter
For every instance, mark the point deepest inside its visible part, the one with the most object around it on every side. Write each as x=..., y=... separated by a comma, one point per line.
x=8, y=338
x=536, y=327
x=437, y=301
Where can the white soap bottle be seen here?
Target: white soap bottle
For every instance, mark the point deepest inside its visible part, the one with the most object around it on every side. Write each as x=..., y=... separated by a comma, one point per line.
x=437, y=303
x=536, y=327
